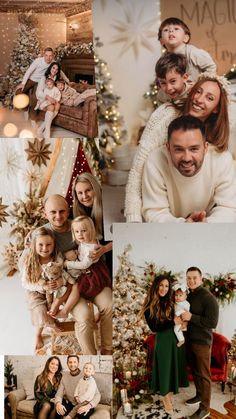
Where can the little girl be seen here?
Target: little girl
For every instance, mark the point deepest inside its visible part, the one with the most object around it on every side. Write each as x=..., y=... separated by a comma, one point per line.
x=41, y=251
x=48, y=101
x=181, y=305
x=93, y=276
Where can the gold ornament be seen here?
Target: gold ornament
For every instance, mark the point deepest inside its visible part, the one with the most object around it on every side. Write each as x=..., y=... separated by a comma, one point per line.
x=38, y=152
x=3, y=213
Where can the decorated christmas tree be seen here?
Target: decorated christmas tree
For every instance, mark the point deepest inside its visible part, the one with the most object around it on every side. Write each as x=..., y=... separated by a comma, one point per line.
x=25, y=50
x=232, y=352
x=112, y=131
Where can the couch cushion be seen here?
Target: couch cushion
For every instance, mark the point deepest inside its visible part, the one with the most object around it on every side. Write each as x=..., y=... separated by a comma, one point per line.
x=104, y=384
x=26, y=406
x=28, y=386
x=102, y=412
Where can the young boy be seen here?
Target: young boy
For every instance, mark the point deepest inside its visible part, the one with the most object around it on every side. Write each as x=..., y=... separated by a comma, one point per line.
x=172, y=78
x=49, y=90
x=70, y=96
x=174, y=35
x=85, y=390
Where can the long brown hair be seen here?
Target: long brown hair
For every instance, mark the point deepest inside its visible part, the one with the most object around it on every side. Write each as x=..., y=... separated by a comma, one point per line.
x=159, y=307
x=217, y=124
x=42, y=379
x=32, y=264
x=79, y=209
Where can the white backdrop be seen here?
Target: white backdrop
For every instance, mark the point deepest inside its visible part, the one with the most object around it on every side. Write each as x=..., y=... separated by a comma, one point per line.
x=210, y=247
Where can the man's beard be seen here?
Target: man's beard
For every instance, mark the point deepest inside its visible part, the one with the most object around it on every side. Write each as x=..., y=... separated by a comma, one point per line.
x=76, y=372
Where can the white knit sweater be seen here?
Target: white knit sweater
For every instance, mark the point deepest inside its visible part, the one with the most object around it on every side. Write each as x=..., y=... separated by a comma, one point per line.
x=155, y=134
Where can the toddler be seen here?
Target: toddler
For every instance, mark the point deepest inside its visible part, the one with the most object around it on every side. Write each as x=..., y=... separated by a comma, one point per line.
x=70, y=97
x=92, y=276
x=181, y=305
x=50, y=92
x=174, y=35
x=85, y=390
x=172, y=78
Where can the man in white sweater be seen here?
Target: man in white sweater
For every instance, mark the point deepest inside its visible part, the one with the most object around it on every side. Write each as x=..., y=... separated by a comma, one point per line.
x=186, y=180
x=33, y=75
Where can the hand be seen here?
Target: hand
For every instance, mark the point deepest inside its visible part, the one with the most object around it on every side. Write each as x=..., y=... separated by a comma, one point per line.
x=197, y=217
x=50, y=99
x=60, y=409
x=96, y=254
x=177, y=320
x=20, y=86
x=54, y=284
x=186, y=316
x=84, y=409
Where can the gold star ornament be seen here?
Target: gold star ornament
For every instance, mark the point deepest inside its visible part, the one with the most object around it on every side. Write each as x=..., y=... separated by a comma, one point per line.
x=38, y=152
x=3, y=213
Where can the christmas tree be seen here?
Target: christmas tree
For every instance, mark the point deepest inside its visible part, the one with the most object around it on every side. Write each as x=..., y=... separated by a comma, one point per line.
x=25, y=50
x=232, y=352
x=112, y=131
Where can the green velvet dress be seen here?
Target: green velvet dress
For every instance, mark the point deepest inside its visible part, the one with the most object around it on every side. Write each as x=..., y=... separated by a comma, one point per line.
x=43, y=396
x=169, y=363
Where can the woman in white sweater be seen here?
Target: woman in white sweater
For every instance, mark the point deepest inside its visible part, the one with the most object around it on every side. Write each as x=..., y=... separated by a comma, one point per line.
x=203, y=103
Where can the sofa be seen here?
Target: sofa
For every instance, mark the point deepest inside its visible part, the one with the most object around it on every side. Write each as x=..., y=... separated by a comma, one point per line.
x=219, y=357
x=22, y=401
x=81, y=119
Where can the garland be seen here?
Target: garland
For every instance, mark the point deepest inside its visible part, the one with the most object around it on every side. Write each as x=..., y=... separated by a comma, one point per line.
x=73, y=49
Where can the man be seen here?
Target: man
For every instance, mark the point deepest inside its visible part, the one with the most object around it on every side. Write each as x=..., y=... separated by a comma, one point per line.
x=188, y=181
x=32, y=76
x=202, y=318
x=64, y=398
x=56, y=210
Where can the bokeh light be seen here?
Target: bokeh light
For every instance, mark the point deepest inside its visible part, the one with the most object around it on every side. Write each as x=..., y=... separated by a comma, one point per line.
x=26, y=133
x=21, y=101
x=10, y=130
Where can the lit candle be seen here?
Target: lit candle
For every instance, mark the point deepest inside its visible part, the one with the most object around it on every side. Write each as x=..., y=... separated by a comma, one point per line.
x=127, y=407
x=123, y=395
x=128, y=375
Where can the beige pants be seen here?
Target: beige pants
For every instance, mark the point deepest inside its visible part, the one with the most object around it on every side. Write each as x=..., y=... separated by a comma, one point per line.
x=84, y=326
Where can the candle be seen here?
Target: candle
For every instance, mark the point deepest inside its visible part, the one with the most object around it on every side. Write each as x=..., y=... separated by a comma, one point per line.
x=123, y=395
x=127, y=407
x=128, y=375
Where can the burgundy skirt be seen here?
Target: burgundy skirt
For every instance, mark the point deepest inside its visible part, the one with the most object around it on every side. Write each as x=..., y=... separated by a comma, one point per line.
x=93, y=280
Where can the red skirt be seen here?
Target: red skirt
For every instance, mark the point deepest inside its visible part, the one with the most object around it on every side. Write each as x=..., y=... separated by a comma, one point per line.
x=94, y=280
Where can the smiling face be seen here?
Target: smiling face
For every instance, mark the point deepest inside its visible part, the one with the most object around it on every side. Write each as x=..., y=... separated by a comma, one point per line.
x=88, y=370
x=172, y=36
x=56, y=211
x=50, y=83
x=44, y=246
x=180, y=296
x=173, y=84
x=54, y=70
x=163, y=287
x=205, y=100
x=53, y=366
x=48, y=56
x=85, y=193
x=194, y=279
x=187, y=150
x=73, y=363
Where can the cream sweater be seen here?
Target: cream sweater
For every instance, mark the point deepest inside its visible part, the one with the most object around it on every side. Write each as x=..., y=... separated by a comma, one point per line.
x=169, y=196
x=155, y=134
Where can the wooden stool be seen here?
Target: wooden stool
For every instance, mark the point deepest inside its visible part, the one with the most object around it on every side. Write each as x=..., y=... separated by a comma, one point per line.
x=67, y=329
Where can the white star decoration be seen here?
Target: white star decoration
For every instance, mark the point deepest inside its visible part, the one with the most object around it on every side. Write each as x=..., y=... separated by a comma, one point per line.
x=134, y=32
x=10, y=161
x=104, y=3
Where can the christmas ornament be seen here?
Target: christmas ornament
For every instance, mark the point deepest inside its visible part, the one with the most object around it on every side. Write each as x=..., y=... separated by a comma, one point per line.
x=38, y=152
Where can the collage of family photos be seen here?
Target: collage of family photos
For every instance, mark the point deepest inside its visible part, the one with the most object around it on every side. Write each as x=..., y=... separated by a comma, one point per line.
x=117, y=209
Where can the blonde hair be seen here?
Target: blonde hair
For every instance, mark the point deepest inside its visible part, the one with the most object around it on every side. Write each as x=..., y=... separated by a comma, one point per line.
x=89, y=363
x=79, y=209
x=32, y=263
x=88, y=223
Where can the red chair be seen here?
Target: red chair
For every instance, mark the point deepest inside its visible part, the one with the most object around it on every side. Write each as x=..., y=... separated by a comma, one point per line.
x=219, y=357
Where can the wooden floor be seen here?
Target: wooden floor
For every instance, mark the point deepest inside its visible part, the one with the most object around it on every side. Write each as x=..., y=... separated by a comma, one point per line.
x=231, y=412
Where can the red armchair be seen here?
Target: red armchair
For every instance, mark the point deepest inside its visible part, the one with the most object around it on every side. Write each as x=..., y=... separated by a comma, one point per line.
x=219, y=357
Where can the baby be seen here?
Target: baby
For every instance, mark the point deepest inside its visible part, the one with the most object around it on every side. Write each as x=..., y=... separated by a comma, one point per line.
x=181, y=305
x=70, y=96
x=174, y=35
x=85, y=389
x=50, y=90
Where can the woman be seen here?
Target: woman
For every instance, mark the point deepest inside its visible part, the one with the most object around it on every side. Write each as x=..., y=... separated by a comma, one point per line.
x=169, y=366
x=54, y=72
x=87, y=200
x=45, y=388
x=207, y=100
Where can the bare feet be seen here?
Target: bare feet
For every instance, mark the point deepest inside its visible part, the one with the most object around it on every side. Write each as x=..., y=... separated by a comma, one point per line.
x=167, y=401
x=39, y=342
x=62, y=314
x=180, y=343
x=54, y=308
